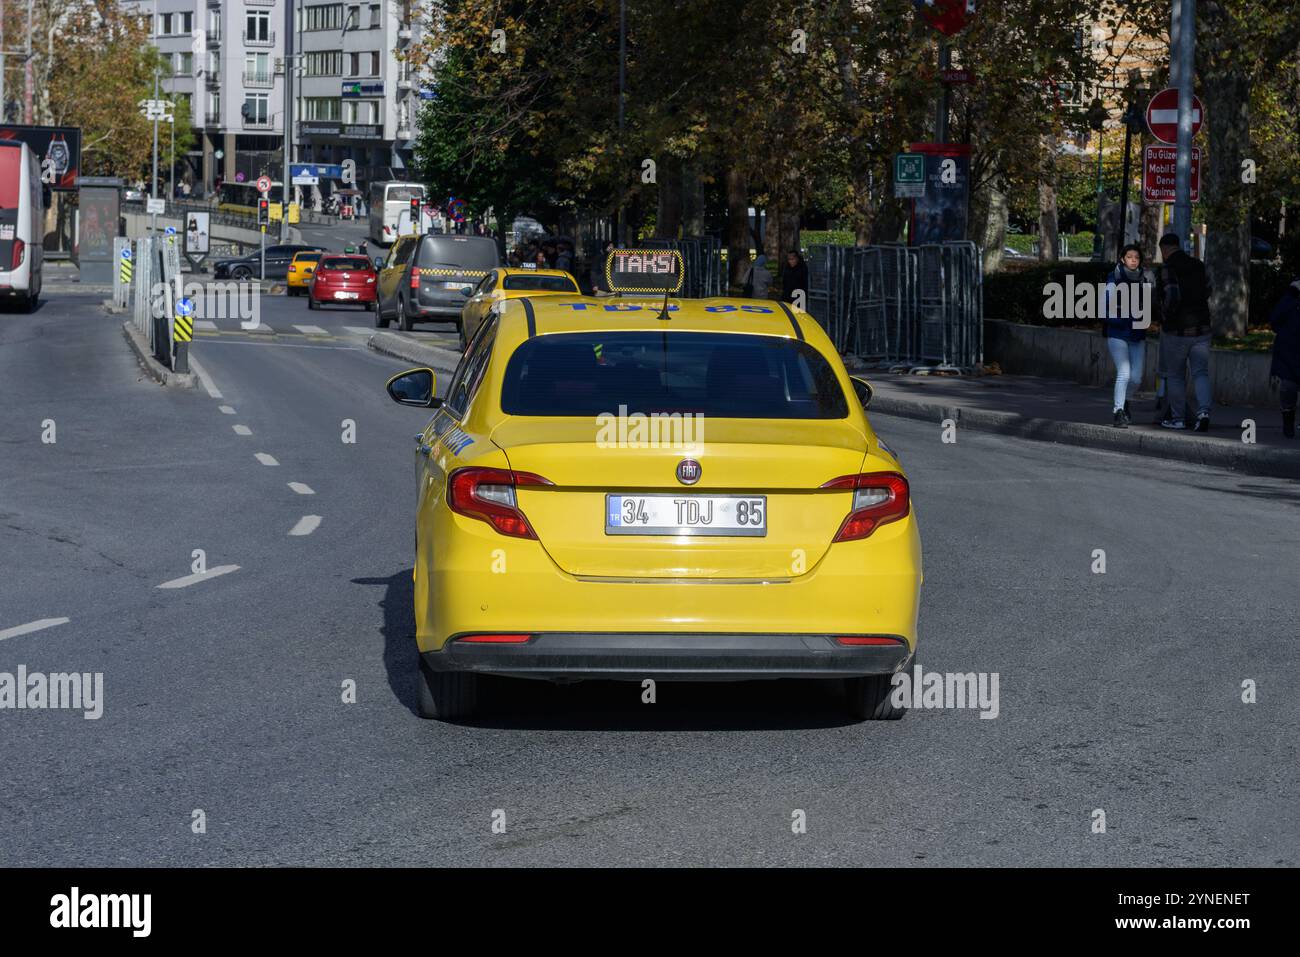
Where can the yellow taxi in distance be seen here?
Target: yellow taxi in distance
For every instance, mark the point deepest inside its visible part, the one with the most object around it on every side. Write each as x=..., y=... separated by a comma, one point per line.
x=510, y=283
x=664, y=488
x=301, y=269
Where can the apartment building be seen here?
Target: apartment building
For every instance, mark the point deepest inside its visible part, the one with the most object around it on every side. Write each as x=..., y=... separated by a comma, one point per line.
x=353, y=96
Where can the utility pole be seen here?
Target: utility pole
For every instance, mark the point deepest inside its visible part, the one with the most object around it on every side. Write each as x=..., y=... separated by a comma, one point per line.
x=286, y=183
x=622, y=85
x=153, y=217
x=27, y=73
x=941, y=117
x=1182, y=54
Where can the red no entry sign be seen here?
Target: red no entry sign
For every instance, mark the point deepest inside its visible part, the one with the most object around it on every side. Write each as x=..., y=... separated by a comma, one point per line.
x=263, y=184
x=1162, y=116
x=1159, y=169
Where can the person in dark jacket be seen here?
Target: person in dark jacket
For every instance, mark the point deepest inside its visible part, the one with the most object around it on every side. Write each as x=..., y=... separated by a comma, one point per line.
x=1184, y=295
x=794, y=276
x=1126, y=312
x=1285, y=320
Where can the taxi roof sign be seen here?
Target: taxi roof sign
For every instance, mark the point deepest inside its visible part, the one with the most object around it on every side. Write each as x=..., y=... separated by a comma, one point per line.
x=644, y=271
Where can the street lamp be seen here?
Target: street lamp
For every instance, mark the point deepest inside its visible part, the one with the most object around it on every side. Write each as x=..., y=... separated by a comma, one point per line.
x=1096, y=117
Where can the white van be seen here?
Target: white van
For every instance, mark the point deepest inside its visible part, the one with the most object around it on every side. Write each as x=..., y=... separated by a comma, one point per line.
x=22, y=216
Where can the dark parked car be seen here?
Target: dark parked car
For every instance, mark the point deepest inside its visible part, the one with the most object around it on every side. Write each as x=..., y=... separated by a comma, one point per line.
x=278, y=258
x=428, y=278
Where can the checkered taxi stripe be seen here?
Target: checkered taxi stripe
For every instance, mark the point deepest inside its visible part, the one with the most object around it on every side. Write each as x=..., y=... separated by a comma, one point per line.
x=445, y=271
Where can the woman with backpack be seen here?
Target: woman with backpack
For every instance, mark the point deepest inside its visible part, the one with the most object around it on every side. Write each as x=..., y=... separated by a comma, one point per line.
x=1126, y=303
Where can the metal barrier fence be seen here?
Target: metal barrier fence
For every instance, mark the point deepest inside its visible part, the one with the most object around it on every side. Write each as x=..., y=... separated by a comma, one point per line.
x=896, y=306
x=701, y=261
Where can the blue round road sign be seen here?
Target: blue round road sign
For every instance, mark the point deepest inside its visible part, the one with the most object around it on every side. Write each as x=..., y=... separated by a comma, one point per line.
x=170, y=230
x=184, y=307
x=126, y=252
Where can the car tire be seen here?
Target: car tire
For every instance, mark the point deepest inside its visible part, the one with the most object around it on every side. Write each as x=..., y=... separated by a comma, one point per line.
x=241, y=274
x=381, y=321
x=869, y=698
x=313, y=304
x=446, y=695
x=404, y=319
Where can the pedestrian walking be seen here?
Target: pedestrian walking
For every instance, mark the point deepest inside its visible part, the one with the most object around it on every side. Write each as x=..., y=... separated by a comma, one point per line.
x=758, y=280
x=1184, y=295
x=1285, y=320
x=599, y=285
x=1126, y=312
x=794, y=276
x=564, y=258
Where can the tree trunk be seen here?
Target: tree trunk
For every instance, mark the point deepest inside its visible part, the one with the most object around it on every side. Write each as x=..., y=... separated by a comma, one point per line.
x=737, y=225
x=692, y=201
x=668, y=214
x=1047, y=229
x=1227, y=206
x=1149, y=230
x=989, y=224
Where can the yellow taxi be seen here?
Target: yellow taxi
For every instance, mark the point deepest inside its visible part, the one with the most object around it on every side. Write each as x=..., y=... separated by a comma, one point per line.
x=301, y=268
x=510, y=283
x=632, y=488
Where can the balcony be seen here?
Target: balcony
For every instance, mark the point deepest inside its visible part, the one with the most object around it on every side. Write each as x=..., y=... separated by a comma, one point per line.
x=256, y=123
x=213, y=37
x=404, y=32
x=253, y=40
x=259, y=3
x=406, y=80
x=211, y=119
x=259, y=79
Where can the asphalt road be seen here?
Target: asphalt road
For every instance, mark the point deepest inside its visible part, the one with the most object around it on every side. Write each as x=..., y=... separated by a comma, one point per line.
x=1118, y=691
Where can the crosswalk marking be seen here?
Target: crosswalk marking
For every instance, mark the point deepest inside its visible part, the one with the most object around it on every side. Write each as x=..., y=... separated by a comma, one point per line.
x=311, y=330
x=206, y=324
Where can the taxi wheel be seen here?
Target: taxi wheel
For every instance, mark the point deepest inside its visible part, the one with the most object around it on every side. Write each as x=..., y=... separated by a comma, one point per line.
x=446, y=695
x=381, y=321
x=403, y=319
x=868, y=698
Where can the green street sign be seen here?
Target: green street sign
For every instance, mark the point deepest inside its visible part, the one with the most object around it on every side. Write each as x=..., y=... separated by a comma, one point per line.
x=909, y=168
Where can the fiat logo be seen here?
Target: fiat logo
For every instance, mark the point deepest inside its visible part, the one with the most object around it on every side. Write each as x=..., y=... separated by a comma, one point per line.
x=688, y=471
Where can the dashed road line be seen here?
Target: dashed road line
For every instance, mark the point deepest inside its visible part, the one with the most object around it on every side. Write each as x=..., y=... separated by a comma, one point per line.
x=227, y=410
x=265, y=459
x=189, y=580
x=302, y=489
x=306, y=525
x=204, y=324
x=242, y=430
x=311, y=330
x=39, y=625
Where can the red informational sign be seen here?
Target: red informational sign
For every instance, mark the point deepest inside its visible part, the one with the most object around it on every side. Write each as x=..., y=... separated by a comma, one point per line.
x=949, y=17
x=1159, y=169
x=263, y=184
x=1162, y=116
x=955, y=76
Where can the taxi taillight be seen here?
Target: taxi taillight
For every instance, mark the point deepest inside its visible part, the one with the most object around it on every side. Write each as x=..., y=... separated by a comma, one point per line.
x=878, y=499
x=415, y=278
x=489, y=495
x=497, y=639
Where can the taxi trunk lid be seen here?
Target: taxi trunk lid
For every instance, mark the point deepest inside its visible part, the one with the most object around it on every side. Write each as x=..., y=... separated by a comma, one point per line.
x=781, y=462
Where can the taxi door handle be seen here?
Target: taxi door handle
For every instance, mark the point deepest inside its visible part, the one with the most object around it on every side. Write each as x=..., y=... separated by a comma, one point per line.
x=421, y=447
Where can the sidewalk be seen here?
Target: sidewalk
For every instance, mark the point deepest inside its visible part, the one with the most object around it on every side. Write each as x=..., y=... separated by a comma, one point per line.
x=1057, y=411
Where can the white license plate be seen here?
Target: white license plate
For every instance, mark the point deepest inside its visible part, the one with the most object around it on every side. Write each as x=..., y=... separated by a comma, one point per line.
x=345, y=295
x=686, y=515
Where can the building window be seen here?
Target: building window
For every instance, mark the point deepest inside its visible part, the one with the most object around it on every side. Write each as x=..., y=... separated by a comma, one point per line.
x=374, y=16
x=322, y=108
x=324, y=63
x=256, y=108
x=186, y=23
x=327, y=16
x=257, y=26
x=360, y=111
x=165, y=24
x=353, y=21
x=185, y=64
x=363, y=64
x=257, y=67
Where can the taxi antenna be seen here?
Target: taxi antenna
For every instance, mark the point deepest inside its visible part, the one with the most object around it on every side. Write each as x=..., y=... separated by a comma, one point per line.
x=663, y=313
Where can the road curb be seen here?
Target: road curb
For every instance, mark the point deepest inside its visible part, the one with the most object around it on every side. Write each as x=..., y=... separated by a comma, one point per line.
x=400, y=347
x=1187, y=447
x=152, y=367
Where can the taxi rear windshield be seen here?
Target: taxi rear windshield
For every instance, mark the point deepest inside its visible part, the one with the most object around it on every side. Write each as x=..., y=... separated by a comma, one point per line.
x=717, y=374
x=539, y=283
x=346, y=264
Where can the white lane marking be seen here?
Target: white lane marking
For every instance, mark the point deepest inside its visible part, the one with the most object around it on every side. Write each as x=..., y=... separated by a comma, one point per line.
x=311, y=330
x=360, y=330
x=205, y=324
x=38, y=625
x=189, y=580
x=204, y=378
x=265, y=459
x=306, y=525
x=226, y=409
x=302, y=489
x=242, y=430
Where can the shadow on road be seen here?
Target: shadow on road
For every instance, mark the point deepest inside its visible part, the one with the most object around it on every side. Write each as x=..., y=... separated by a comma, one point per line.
x=611, y=705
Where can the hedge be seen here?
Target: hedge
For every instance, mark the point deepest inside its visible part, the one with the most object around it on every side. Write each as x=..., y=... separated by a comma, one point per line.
x=1018, y=296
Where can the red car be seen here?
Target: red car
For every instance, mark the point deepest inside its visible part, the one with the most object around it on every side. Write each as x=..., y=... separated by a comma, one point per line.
x=344, y=280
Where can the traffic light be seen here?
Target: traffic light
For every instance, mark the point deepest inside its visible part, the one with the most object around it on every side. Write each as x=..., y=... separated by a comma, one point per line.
x=263, y=211
x=415, y=215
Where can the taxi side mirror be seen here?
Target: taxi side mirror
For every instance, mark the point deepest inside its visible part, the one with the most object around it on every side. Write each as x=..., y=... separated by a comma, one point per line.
x=415, y=387
x=379, y=263
x=862, y=389
x=467, y=291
